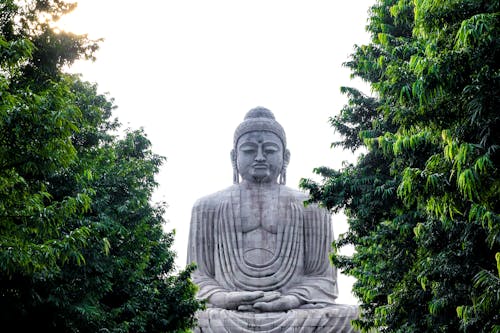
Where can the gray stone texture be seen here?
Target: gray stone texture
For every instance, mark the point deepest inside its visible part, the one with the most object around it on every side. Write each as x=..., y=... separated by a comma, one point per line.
x=262, y=255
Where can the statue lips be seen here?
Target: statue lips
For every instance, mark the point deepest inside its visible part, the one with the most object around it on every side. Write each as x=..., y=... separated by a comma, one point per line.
x=260, y=166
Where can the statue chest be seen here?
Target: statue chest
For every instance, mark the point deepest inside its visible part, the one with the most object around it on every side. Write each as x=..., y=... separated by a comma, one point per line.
x=259, y=225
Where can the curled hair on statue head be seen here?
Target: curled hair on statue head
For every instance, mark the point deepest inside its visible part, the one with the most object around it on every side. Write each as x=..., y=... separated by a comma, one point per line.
x=259, y=119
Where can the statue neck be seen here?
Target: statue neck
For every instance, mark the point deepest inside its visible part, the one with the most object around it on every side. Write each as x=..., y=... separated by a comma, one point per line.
x=261, y=186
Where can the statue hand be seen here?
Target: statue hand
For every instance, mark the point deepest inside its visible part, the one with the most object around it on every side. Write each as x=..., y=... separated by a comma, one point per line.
x=313, y=306
x=283, y=303
x=233, y=299
x=267, y=297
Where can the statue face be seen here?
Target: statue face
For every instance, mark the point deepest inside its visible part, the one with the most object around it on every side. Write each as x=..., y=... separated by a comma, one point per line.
x=259, y=156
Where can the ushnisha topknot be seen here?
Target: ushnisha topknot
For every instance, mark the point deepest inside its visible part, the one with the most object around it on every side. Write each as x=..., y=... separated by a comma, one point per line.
x=259, y=119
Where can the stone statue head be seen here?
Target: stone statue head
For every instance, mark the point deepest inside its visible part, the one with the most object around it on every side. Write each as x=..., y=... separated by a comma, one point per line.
x=260, y=141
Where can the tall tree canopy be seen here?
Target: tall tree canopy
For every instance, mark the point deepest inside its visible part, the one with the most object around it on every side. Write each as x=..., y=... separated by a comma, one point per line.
x=423, y=199
x=81, y=245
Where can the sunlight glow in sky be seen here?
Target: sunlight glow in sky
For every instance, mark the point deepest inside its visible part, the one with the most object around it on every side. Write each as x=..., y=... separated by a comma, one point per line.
x=188, y=71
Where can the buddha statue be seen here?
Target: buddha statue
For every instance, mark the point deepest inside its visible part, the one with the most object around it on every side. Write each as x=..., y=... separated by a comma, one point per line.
x=262, y=256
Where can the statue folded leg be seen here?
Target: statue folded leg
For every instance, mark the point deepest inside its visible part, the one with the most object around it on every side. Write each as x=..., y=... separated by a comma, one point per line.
x=335, y=318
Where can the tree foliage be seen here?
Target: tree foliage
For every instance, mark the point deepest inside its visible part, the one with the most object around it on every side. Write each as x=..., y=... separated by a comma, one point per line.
x=423, y=201
x=81, y=246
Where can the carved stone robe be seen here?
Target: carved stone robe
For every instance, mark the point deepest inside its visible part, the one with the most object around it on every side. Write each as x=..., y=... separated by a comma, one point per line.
x=298, y=266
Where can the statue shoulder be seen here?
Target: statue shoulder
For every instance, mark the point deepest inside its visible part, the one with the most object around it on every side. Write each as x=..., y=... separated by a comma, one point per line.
x=211, y=201
x=300, y=197
x=293, y=194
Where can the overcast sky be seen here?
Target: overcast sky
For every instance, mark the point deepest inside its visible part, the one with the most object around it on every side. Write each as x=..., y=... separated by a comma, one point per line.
x=188, y=71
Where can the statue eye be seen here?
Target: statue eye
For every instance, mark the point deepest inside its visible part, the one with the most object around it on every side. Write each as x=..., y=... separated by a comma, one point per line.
x=271, y=149
x=248, y=149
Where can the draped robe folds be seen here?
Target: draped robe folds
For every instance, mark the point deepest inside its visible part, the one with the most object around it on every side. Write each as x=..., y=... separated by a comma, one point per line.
x=299, y=265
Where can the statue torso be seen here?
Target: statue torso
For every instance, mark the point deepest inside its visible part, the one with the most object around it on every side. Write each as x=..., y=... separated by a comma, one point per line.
x=247, y=238
x=259, y=223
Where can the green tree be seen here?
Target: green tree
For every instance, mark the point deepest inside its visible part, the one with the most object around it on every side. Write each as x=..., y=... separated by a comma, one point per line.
x=37, y=121
x=423, y=201
x=81, y=246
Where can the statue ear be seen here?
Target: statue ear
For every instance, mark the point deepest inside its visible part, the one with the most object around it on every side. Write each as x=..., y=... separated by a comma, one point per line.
x=286, y=160
x=236, y=176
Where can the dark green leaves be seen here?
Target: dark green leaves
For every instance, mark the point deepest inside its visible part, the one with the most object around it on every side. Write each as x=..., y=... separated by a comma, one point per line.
x=423, y=202
x=82, y=247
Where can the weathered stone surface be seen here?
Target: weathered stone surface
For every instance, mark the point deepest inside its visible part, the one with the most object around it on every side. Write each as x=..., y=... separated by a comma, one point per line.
x=327, y=320
x=262, y=255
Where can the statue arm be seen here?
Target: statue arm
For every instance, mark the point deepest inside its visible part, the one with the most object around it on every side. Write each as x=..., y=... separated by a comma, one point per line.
x=319, y=284
x=201, y=249
x=318, y=238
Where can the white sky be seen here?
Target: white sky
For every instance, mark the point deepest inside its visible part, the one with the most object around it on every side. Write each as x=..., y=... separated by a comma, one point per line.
x=188, y=71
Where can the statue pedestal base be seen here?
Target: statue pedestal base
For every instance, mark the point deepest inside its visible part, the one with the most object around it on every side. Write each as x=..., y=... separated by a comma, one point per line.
x=335, y=318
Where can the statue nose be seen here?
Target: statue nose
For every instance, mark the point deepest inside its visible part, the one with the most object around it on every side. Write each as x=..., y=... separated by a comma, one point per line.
x=260, y=156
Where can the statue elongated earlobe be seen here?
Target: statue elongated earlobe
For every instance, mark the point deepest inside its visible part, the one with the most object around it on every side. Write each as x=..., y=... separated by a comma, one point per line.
x=236, y=176
x=286, y=160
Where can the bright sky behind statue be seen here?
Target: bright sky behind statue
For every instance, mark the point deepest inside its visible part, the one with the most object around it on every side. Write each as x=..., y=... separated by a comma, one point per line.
x=188, y=71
